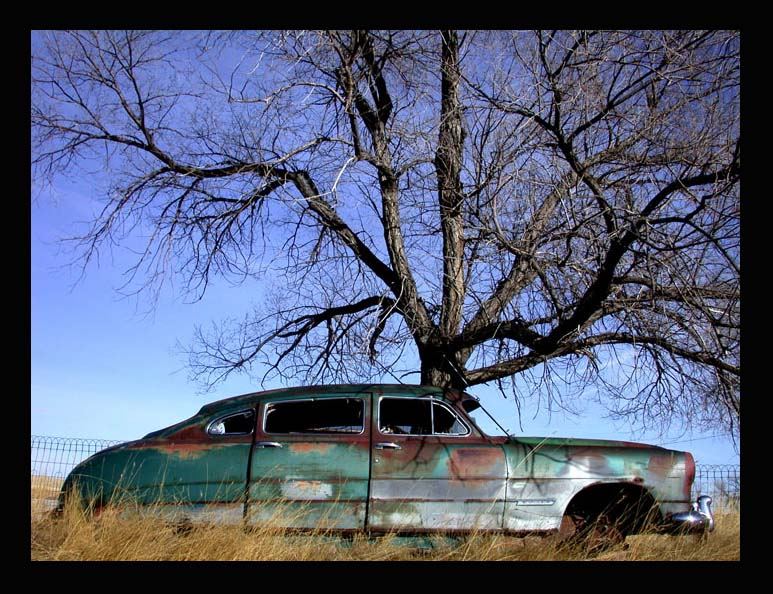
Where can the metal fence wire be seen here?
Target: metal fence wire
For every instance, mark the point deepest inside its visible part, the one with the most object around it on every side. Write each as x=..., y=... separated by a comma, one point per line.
x=52, y=460
x=57, y=456
x=720, y=481
x=54, y=457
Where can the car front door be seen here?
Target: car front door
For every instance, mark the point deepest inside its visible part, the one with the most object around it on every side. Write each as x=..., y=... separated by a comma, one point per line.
x=310, y=462
x=431, y=470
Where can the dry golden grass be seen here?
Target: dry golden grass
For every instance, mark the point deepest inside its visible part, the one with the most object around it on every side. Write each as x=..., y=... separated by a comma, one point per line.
x=43, y=487
x=44, y=491
x=724, y=544
x=113, y=536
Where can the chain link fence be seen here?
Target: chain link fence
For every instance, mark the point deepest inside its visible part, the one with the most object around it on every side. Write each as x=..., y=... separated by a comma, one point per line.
x=54, y=457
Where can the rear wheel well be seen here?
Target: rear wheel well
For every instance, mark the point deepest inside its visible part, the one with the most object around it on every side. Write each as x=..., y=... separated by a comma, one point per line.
x=630, y=507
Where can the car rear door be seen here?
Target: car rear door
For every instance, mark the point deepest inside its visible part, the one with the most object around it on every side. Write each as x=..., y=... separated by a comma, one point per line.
x=310, y=462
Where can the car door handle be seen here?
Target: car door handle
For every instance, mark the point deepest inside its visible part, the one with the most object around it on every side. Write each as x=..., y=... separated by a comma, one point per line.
x=388, y=445
x=268, y=444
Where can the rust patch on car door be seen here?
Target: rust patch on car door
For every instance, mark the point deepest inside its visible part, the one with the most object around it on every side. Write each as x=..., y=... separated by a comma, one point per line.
x=476, y=462
x=310, y=448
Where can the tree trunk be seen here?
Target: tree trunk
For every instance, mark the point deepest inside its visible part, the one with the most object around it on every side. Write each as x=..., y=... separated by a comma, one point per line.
x=441, y=369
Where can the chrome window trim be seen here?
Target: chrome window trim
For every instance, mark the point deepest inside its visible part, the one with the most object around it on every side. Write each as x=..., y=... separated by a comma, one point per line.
x=222, y=417
x=432, y=399
x=266, y=404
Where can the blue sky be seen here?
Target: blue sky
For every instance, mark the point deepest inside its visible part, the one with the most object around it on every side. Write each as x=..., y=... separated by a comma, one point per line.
x=105, y=367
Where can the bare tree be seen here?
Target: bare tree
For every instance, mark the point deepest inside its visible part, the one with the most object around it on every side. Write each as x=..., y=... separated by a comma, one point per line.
x=561, y=205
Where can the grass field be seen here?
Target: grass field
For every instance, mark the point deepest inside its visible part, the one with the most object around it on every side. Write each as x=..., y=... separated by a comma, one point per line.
x=111, y=537
x=45, y=487
x=44, y=491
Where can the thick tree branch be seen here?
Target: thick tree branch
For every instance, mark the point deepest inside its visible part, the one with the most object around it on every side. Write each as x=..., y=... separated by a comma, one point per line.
x=509, y=367
x=521, y=272
x=448, y=164
x=599, y=289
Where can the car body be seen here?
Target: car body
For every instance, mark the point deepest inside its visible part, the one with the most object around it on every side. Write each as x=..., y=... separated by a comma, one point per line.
x=386, y=458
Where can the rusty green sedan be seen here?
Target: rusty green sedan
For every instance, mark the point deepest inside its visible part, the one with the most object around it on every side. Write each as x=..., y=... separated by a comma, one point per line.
x=388, y=459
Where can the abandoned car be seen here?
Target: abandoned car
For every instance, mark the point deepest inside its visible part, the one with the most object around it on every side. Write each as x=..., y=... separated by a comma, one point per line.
x=388, y=458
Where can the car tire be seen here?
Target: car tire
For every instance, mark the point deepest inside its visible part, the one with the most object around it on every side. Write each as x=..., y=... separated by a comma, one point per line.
x=591, y=534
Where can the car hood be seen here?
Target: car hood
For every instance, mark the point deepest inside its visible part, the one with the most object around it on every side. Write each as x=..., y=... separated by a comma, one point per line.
x=580, y=442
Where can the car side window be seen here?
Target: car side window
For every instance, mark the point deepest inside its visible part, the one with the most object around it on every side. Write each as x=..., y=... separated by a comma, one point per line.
x=418, y=416
x=239, y=423
x=329, y=415
x=445, y=422
x=405, y=416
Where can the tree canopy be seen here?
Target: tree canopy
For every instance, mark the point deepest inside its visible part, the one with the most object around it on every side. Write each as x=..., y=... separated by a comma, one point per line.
x=561, y=206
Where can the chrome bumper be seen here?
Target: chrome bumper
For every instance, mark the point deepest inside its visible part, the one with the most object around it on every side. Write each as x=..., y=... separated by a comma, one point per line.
x=698, y=519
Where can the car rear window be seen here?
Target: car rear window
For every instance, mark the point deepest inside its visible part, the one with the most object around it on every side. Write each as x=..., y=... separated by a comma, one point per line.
x=331, y=415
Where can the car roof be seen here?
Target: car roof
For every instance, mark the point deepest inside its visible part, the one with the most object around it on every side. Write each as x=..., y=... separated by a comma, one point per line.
x=324, y=390
x=251, y=399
